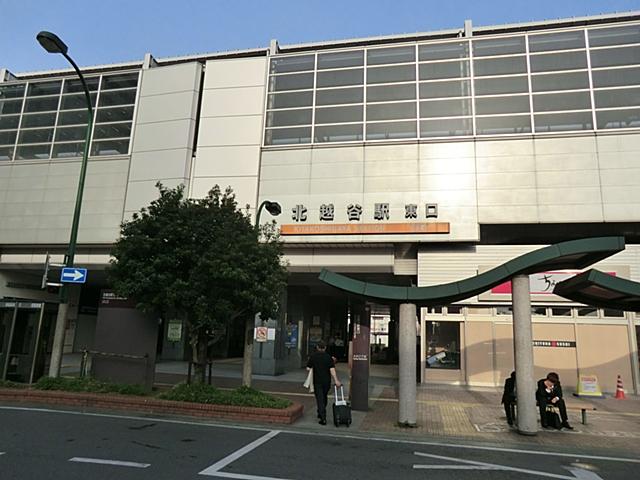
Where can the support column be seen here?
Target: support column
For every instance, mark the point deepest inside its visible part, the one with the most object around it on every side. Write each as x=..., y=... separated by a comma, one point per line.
x=523, y=346
x=361, y=317
x=407, y=402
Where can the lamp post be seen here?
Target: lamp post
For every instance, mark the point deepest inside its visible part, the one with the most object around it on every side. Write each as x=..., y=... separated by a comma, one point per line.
x=53, y=44
x=274, y=209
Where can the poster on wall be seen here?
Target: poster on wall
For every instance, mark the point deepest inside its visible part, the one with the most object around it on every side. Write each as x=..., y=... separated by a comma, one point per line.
x=291, y=340
x=174, y=331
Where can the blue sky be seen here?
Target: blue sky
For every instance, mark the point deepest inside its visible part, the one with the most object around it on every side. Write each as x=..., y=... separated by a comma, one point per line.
x=111, y=31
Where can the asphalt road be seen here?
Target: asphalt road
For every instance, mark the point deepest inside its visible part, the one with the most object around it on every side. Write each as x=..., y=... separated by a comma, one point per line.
x=41, y=443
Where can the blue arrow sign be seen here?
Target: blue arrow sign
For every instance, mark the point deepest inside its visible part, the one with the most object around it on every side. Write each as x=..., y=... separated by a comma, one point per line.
x=73, y=275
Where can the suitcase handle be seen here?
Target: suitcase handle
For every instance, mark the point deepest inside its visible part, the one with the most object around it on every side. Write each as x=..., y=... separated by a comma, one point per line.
x=339, y=400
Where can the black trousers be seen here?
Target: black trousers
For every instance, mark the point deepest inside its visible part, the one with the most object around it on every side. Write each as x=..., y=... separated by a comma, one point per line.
x=561, y=406
x=510, y=410
x=321, y=390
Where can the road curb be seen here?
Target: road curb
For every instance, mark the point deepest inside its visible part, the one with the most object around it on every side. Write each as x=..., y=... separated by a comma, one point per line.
x=286, y=416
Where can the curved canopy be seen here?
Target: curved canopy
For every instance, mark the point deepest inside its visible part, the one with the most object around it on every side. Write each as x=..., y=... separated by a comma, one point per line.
x=574, y=254
x=600, y=289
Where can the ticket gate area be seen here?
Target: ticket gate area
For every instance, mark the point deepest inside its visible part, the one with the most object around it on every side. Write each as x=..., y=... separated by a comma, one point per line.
x=25, y=334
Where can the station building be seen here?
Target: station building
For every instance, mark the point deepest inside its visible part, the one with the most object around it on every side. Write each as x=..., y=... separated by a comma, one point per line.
x=408, y=160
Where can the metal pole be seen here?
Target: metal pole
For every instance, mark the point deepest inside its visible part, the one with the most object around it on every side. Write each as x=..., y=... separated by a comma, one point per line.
x=63, y=308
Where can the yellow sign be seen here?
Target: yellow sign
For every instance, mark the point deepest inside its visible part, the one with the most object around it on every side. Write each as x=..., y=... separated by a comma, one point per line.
x=588, y=387
x=365, y=228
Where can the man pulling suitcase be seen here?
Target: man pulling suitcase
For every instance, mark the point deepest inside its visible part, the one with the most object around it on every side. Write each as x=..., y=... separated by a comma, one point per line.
x=323, y=370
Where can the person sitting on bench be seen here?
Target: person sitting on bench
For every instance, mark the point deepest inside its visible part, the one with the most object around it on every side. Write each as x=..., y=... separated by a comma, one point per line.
x=550, y=393
x=509, y=397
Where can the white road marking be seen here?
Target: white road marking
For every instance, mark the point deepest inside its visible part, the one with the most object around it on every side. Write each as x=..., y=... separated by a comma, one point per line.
x=2, y=453
x=335, y=434
x=101, y=461
x=491, y=466
x=582, y=474
x=242, y=476
x=216, y=467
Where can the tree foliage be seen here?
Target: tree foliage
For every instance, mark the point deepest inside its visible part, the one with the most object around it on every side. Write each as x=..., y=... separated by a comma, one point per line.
x=200, y=260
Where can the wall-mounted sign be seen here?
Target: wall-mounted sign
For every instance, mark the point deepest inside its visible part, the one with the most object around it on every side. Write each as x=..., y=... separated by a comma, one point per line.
x=381, y=211
x=261, y=334
x=554, y=343
x=365, y=228
x=174, y=331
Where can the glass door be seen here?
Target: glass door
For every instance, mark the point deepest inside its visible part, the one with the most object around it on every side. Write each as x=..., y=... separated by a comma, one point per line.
x=7, y=317
x=23, y=342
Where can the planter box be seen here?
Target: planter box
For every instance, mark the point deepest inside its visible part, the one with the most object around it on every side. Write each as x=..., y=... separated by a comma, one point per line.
x=152, y=405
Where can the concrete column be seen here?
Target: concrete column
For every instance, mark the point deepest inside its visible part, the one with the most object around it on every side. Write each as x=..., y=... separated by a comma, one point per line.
x=361, y=318
x=523, y=346
x=407, y=402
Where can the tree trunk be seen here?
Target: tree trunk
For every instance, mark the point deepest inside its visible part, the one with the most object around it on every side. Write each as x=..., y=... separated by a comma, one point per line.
x=248, y=352
x=198, y=343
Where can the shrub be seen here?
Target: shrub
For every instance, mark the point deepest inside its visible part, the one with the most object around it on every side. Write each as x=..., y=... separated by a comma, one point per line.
x=242, y=397
x=9, y=384
x=87, y=385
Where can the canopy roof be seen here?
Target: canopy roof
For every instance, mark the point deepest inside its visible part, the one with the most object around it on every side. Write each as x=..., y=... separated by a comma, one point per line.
x=574, y=254
x=600, y=289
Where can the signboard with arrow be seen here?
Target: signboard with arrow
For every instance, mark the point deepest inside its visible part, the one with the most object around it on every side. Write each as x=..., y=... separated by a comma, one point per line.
x=73, y=275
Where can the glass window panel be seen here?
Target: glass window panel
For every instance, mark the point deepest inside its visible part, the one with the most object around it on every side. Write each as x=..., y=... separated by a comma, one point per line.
x=443, y=51
x=38, y=120
x=123, y=80
x=41, y=135
x=78, y=101
x=10, y=106
x=388, y=131
x=391, y=111
x=556, y=41
x=12, y=91
x=44, y=88
x=339, y=114
x=340, y=59
x=503, y=125
x=560, y=311
x=401, y=73
x=561, y=101
x=8, y=137
x=499, y=66
x=494, y=105
x=501, y=310
x=72, y=85
x=391, y=92
x=382, y=56
x=70, y=133
x=493, y=86
x=30, y=152
x=339, y=78
x=110, y=147
x=610, y=312
x=618, y=118
x=611, y=57
x=449, y=127
x=9, y=122
x=455, y=88
x=119, y=97
x=624, y=97
x=41, y=104
x=299, y=63
x=6, y=153
x=76, y=117
x=443, y=345
x=285, y=136
x=300, y=81
x=434, y=310
x=539, y=311
x=617, y=77
x=289, y=117
x=339, y=95
x=66, y=150
x=289, y=100
x=599, y=37
x=454, y=310
x=560, y=122
x=587, y=311
x=112, y=130
x=435, y=71
x=338, y=133
x=116, y=114
x=559, y=81
x=498, y=46
x=445, y=108
x=549, y=62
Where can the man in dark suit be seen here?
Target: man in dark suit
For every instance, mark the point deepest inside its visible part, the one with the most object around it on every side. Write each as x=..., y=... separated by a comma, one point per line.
x=324, y=369
x=509, y=397
x=549, y=392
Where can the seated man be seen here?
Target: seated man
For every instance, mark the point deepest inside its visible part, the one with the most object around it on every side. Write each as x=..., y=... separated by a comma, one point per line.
x=549, y=392
x=509, y=397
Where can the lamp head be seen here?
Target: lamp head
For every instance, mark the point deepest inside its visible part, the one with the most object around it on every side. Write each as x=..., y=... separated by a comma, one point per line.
x=51, y=42
x=273, y=208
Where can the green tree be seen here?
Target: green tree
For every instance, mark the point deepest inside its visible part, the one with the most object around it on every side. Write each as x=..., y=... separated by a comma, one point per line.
x=200, y=260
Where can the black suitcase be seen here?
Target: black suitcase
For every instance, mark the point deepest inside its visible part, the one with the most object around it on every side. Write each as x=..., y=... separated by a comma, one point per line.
x=341, y=409
x=552, y=419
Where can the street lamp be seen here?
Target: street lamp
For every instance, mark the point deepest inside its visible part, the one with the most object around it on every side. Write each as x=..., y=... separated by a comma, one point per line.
x=53, y=44
x=272, y=207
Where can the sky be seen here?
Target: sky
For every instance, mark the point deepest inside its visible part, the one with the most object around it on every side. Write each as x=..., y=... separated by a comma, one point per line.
x=113, y=31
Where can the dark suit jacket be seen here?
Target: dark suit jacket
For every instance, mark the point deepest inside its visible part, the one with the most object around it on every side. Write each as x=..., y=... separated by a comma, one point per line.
x=545, y=397
x=509, y=394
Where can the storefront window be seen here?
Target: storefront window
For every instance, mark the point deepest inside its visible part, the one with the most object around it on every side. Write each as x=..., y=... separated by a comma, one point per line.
x=443, y=345
x=561, y=312
x=587, y=312
x=611, y=312
x=504, y=310
x=539, y=311
x=454, y=310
